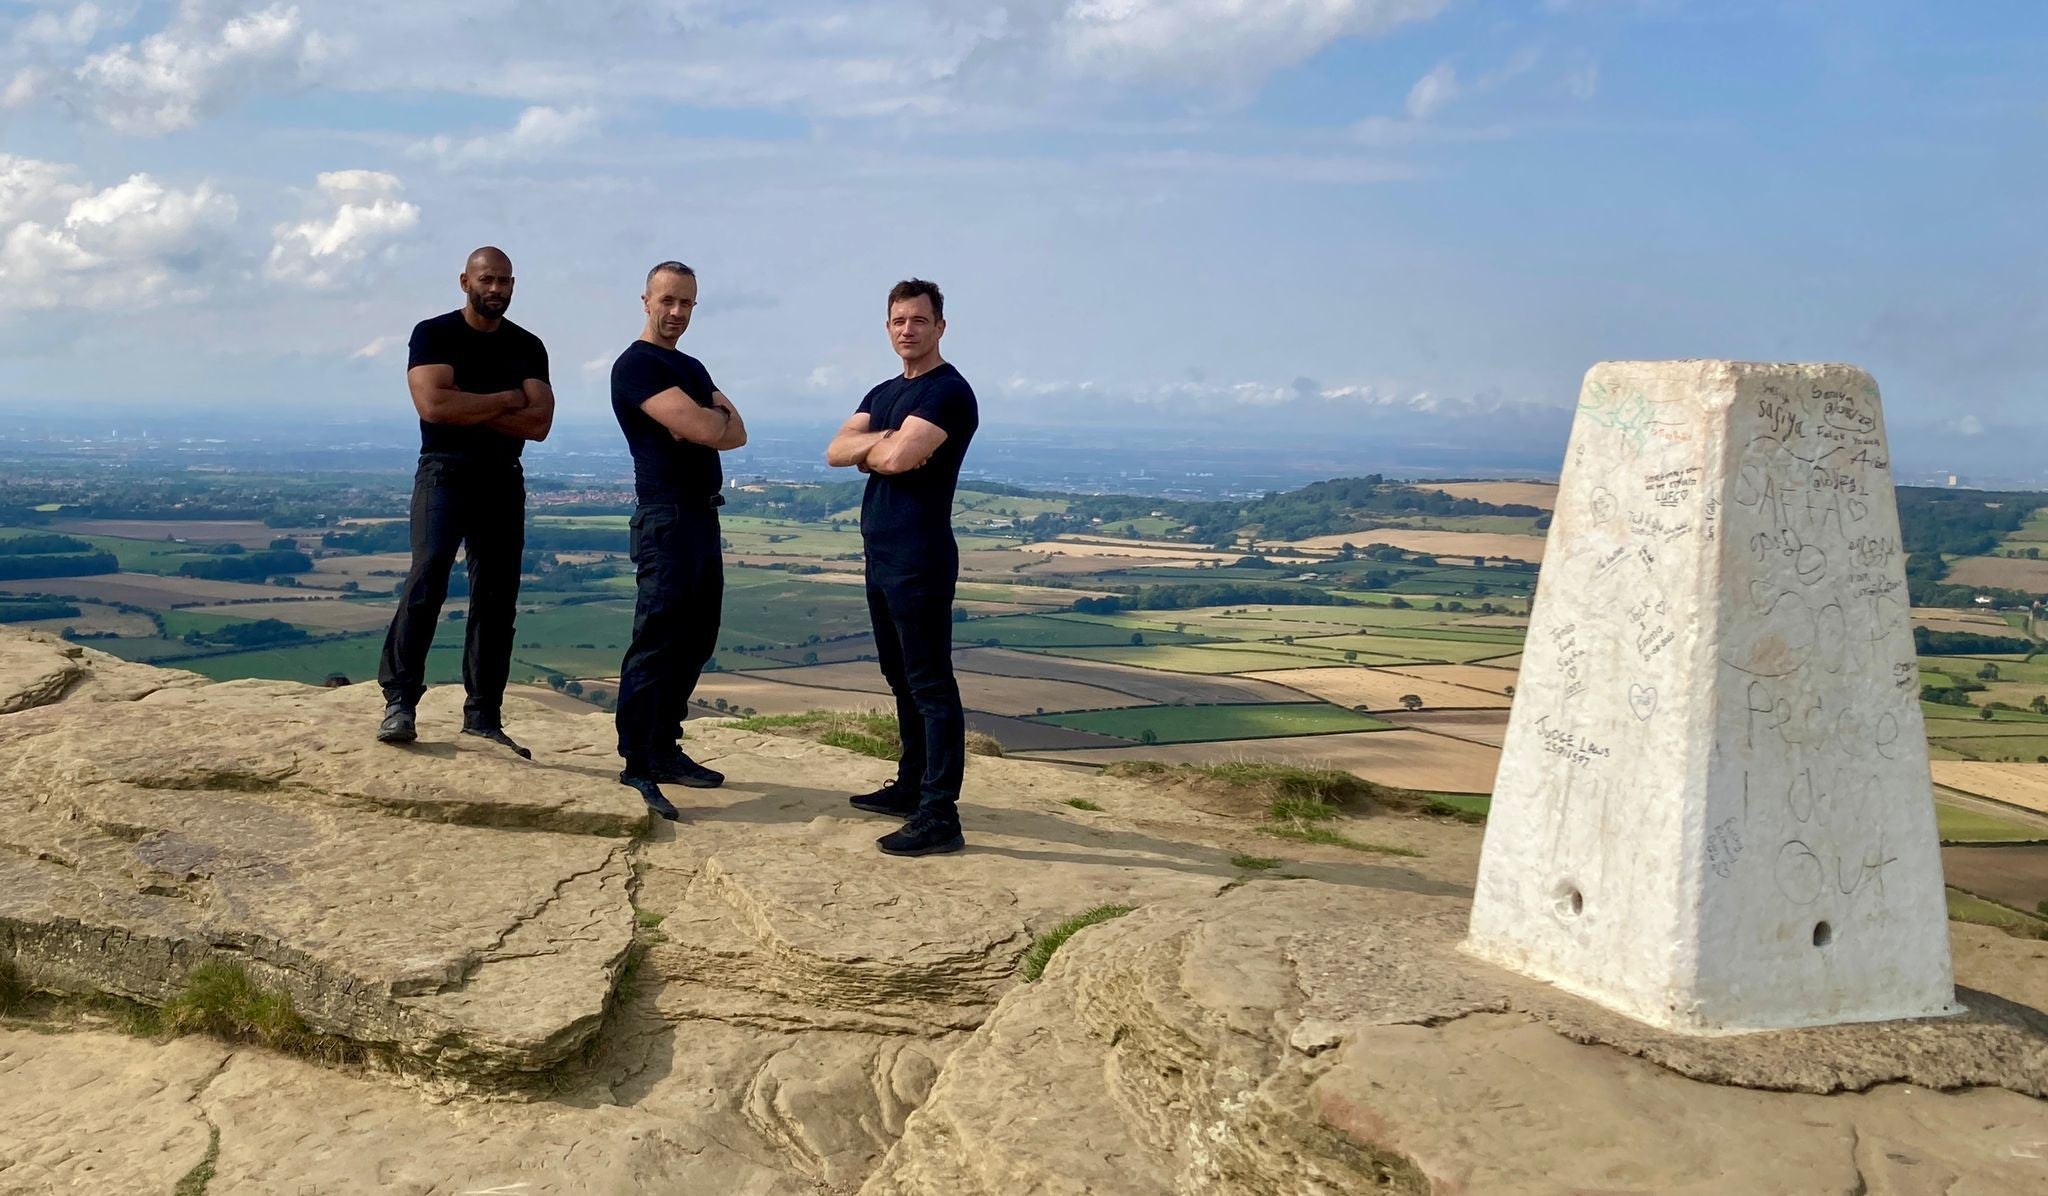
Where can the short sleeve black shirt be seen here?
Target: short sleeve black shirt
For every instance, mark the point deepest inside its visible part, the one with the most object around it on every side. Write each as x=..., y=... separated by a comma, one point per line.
x=665, y=470
x=906, y=519
x=484, y=362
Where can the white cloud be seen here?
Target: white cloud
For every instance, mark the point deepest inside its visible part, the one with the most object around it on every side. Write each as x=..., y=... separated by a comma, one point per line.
x=377, y=348
x=538, y=130
x=135, y=244
x=204, y=59
x=74, y=28
x=1432, y=92
x=1227, y=41
x=363, y=219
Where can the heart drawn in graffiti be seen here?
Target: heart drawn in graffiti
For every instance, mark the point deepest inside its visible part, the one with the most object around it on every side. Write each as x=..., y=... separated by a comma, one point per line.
x=1642, y=702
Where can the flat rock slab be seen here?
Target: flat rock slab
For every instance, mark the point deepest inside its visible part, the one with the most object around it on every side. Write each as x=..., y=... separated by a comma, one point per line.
x=100, y=1112
x=1215, y=1045
x=461, y=907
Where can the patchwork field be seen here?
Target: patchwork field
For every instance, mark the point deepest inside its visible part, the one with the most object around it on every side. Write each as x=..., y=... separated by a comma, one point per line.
x=1151, y=686
x=1198, y=724
x=1378, y=689
x=151, y=590
x=980, y=691
x=2013, y=573
x=1438, y=544
x=2022, y=785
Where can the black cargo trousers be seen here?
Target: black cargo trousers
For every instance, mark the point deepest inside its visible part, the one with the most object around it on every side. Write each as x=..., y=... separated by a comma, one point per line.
x=479, y=506
x=912, y=612
x=679, y=571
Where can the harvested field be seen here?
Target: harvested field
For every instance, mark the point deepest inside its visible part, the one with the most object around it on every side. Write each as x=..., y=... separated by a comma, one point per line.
x=980, y=691
x=1471, y=676
x=1531, y=494
x=333, y=614
x=1146, y=685
x=95, y=618
x=1150, y=554
x=1023, y=735
x=1942, y=618
x=1203, y=658
x=2010, y=875
x=1419, y=650
x=773, y=697
x=148, y=589
x=2022, y=785
x=1379, y=690
x=2013, y=574
x=1480, y=726
x=249, y=533
x=1491, y=545
x=1407, y=759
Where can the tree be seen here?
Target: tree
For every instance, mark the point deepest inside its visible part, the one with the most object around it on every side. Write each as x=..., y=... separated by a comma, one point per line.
x=959, y=614
x=1148, y=735
x=1985, y=714
x=1138, y=638
x=1988, y=673
x=1350, y=656
x=1411, y=702
x=573, y=688
x=1509, y=690
x=2039, y=705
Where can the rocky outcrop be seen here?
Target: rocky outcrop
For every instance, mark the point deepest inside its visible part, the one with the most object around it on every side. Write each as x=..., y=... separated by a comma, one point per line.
x=553, y=994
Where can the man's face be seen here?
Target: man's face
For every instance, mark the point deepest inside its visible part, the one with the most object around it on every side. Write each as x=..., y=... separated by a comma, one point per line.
x=488, y=283
x=913, y=332
x=670, y=301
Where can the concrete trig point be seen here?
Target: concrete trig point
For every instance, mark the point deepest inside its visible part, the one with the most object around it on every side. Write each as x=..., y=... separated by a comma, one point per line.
x=1713, y=811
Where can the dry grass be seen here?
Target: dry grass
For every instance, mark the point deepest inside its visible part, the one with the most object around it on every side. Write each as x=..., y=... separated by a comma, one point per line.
x=868, y=733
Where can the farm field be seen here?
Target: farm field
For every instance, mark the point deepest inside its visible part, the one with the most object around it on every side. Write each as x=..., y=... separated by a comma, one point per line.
x=1153, y=686
x=2004, y=572
x=152, y=590
x=1542, y=495
x=1378, y=689
x=1435, y=543
x=1198, y=724
x=980, y=691
x=2022, y=785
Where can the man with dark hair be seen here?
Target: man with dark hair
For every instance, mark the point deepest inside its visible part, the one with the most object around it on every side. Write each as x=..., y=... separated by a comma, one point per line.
x=676, y=423
x=480, y=384
x=909, y=436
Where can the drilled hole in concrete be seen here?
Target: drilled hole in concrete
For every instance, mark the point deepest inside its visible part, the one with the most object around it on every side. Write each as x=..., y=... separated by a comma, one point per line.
x=1570, y=902
x=1823, y=934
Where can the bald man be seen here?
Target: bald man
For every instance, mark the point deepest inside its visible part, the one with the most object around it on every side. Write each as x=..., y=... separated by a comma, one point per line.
x=480, y=384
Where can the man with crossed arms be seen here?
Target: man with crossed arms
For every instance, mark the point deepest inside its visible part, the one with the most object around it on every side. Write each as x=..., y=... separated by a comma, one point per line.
x=676, y=423
x=910, y=436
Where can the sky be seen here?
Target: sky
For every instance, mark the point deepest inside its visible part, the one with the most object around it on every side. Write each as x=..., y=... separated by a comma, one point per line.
x=1252, y=220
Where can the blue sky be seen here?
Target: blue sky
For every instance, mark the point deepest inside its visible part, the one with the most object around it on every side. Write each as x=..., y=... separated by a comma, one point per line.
x=1341, y=218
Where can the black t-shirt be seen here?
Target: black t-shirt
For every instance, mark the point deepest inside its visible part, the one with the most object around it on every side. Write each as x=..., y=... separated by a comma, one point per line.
x=484, y=362
x=906, y=519
x=665, y=470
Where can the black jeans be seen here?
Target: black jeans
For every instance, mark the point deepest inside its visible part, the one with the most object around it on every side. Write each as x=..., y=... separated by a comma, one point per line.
x=913, y=618
x=681, y=578
x=480, y=507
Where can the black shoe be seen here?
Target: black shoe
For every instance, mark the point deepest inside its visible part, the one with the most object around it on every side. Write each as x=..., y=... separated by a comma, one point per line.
x=497, y=735
x=676, y=768
x=398, y=725
x=924, y=834
x=651, y=794
x=892, y=799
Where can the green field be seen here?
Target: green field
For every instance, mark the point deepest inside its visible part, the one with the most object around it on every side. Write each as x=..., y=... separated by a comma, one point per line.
x=1958, y=825
x=1060, y=631
x=1185, y=658
x=1203, y=724
x=136, y=556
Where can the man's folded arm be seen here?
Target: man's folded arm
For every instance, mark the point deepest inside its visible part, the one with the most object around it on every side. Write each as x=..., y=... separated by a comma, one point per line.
x=533, y=421
x=438, y=401
x=907, y=447
x=685, y=420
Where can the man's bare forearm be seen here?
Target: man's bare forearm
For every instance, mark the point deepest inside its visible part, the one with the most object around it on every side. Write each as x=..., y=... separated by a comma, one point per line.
x=446, y=405
x=735, y=426
x=528, y=424
x=852, y=448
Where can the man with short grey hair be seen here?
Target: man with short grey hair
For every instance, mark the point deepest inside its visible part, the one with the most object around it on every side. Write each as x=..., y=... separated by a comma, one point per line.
x=676, y=423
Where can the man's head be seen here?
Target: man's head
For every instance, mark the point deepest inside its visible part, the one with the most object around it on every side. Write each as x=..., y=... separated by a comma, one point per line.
x=670, y=300
x=917, y=318
x=487, y=281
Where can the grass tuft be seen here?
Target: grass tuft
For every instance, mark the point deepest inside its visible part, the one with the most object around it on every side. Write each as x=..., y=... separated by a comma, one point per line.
x=196, y=1180
x=220, y=999
x=869, y=733
x=1082, y=803
x=1042, y=948
x=1254, y=863
x=1329, y=838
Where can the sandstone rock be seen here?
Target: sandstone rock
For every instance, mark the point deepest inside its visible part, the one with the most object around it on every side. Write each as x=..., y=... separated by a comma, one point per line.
x=100, y=1112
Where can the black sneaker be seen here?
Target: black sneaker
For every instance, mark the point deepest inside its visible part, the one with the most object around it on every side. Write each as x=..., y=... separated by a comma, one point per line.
x=497, y=735
x=398, y=725
x=651, y=794
x=677, y=768
x=924, y=834
x=892, y=799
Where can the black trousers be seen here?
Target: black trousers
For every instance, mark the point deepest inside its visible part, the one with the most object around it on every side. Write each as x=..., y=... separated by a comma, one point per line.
x=481, y=508
x=681, y=580
x=913, y=619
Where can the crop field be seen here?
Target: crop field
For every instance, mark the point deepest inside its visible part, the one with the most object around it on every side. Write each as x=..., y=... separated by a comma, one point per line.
x=1056, y=631
x=1542, y=495
x=1380, y=689
x=1491, y=545
x=2003, y=572
x=1409, y=759
x=1198, y=724
x=1152, y=686
x=1208, y=658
